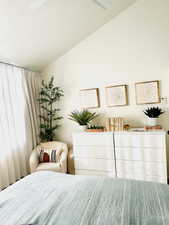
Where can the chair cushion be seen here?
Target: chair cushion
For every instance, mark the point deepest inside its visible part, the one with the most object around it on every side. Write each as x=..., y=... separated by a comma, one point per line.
x=49, y=166
x=47, y=155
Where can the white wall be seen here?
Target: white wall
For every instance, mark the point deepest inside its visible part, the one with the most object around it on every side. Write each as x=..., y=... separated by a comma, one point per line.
x=133, y=47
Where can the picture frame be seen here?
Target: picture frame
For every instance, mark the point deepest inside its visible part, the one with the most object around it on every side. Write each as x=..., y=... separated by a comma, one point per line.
x=116, y=95
x=147, y=92
x=90, y=98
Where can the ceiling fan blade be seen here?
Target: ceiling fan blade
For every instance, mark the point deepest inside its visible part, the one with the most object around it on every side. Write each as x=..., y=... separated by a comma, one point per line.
x=35, y=4
x=105, y=4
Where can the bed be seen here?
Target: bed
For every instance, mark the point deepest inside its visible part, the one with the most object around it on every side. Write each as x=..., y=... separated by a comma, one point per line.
x=49, y=198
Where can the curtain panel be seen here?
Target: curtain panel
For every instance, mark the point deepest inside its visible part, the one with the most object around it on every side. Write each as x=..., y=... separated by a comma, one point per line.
x=19, y=124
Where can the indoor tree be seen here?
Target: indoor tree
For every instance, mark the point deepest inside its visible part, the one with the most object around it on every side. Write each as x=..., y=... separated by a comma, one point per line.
x=49, y=96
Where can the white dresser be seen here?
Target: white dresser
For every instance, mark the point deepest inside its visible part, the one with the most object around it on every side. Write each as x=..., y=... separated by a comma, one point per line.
x=131, y=155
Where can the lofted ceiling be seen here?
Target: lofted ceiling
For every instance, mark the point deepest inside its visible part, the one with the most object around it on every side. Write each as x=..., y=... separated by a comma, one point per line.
x=34, y=35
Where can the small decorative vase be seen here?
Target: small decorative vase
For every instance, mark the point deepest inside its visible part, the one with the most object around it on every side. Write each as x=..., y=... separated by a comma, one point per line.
x=152, y=122
x=82, y=127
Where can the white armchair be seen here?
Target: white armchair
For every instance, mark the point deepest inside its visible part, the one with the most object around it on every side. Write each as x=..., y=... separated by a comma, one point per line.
x=59, y=166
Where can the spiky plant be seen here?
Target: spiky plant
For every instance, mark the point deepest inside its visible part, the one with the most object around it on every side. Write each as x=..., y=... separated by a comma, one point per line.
x=93, y=127
x=83, y=117
x=153, y=112
x=49, y=95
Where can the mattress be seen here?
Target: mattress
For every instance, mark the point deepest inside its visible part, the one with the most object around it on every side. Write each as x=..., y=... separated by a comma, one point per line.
x=49, y=198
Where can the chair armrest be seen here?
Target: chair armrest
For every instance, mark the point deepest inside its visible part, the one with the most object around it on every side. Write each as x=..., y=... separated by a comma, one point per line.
x=34, y=161
x=71, y=168
x=63, y=159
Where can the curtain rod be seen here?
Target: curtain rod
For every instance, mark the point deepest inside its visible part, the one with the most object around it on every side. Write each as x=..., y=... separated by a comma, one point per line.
x=10, y=64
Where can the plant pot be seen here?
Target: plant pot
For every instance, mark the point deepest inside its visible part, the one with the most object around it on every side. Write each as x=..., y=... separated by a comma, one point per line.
x=82, y=127
x=152, y=122
x=95, y=130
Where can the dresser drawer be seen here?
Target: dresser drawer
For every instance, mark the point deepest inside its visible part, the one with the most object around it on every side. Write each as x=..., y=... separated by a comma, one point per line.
x=93, y=139
x=144, y=178
x=95, y=173
x=156, y=179
x=131, y=176
x=97, y=152
x=94, y=164
x=142, y=169
x=153, y=140
x=129, y=167
x=155, y=169
x=141, y=154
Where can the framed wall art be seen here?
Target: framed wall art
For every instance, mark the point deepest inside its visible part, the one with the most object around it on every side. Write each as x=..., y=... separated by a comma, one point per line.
x=89, y=98
x=147, y=92
x=116, y=95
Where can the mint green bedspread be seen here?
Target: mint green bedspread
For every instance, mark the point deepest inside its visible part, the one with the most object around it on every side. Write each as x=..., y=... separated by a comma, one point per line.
x=48, y=198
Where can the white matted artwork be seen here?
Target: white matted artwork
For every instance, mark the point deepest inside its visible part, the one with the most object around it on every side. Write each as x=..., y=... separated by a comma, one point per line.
x=147, y=92
x=89, y=98
x=116, y=95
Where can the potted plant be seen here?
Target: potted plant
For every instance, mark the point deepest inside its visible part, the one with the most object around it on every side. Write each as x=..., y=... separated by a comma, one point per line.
x=95, y=128
x=49, y=96
x=83, y=118
x=153, y=114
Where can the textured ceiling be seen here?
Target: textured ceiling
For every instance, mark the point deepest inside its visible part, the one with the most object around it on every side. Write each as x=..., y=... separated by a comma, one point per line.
x=32, y=37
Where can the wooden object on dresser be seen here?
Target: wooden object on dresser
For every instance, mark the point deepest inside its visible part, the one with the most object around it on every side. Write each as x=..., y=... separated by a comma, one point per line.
x=115, y=124
x=131, y=155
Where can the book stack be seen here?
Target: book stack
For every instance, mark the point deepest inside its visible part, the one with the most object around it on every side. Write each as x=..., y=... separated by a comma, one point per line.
x=115, y=124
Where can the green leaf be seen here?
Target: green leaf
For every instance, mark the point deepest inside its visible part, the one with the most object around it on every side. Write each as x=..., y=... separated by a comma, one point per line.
x=44, y=126
x=58, y=118
x=43, y=100
x=44, y=118
x=55, y=127
x=45, y=108
x=51, y=82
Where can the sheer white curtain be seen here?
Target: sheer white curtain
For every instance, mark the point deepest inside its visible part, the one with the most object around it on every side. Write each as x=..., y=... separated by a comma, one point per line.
x=19, y=110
